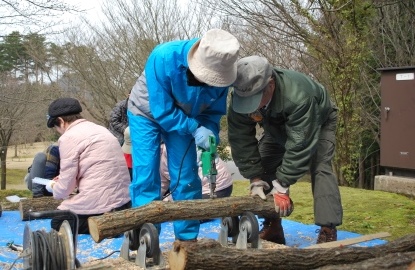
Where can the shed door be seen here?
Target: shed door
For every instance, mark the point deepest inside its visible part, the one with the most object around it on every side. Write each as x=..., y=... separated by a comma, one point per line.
x=398, y=119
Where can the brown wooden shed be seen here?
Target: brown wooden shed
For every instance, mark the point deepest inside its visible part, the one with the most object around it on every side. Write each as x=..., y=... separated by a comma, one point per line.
x=397, y=137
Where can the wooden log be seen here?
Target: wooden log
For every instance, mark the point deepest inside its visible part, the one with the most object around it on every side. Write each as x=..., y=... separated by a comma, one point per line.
x=399, y=260
x=99, y=266
x=36, y=205
x=209, y=254
x=114, y=223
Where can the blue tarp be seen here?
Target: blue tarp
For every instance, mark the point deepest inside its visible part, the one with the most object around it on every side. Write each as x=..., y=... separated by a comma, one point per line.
x=12, y=228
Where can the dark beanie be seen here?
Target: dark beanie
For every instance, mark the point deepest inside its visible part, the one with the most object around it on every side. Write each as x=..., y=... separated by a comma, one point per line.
x=62, y=107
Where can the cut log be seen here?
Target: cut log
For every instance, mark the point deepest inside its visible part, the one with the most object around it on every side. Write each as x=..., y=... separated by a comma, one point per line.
x=98, y=266
x=37, y=205
x=393, y=261
x=209, y=254
x=114, y=223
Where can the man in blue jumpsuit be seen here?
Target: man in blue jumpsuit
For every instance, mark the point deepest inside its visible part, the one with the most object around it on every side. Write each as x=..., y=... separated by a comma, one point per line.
x=179, y=98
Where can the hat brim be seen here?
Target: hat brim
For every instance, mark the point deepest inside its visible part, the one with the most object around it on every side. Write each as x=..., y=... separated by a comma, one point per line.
x=51, y=122
x=206, y=75
x=246, y=105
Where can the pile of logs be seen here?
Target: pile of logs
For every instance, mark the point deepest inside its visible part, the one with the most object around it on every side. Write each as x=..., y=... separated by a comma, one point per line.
x=209, y=254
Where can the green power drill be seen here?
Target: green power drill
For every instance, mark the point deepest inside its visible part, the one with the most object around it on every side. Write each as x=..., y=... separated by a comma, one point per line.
x=209, y=165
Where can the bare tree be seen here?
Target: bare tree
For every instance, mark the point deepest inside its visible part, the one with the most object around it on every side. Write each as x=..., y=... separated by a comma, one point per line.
x=34, y=15
x=325, y=39
x=106, y=59
x=17, y=102
x=392, y=44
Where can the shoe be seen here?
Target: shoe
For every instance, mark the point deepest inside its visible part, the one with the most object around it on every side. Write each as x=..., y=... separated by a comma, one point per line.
x=272, y=231
x=326, y=234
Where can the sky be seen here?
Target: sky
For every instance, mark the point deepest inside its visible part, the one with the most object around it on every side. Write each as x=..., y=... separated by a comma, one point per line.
x=93, y=11
x=92, y=7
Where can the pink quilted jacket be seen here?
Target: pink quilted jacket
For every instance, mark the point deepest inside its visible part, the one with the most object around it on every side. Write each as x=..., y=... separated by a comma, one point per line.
x=92, y=160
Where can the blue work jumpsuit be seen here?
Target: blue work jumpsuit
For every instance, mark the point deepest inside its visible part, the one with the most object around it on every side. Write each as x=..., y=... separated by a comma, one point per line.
x=162, y=106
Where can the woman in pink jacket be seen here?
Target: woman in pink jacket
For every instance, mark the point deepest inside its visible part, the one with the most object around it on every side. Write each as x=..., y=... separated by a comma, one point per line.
x=91, y=161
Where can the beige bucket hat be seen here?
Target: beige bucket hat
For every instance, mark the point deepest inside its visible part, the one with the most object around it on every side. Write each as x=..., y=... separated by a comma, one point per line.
x=212, y=59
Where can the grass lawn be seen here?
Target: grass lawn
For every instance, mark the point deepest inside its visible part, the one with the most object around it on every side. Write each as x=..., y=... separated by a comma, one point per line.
x=15, y=177
x=365, y=211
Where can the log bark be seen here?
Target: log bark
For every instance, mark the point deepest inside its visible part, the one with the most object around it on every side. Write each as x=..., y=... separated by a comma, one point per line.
x=209, y=254
x=393, y=261
x=98, y=266
x=37, y=205
x=114, y=223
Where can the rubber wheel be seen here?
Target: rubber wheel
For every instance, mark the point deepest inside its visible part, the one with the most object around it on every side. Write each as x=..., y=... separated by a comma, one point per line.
x=134, y=242
x=250, y=223
x=233, y=225
x=149, y=236
x=65, y=232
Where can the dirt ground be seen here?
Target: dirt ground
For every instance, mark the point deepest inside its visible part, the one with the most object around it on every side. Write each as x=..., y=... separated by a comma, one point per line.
x=22, y=156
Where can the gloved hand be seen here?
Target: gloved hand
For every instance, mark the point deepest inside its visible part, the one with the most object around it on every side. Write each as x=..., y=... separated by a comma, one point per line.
x=282, y=201
x=49, y=186
x=257, y=188
x=201, y=136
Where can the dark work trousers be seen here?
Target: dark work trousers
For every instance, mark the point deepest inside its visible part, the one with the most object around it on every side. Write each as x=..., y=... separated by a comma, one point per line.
x=328, y=210
x=57, y=221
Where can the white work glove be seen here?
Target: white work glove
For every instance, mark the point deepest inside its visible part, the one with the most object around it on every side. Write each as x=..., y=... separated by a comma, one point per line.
x=257, y=188
x=201, y=135
x=283, y=204
x=49, y=186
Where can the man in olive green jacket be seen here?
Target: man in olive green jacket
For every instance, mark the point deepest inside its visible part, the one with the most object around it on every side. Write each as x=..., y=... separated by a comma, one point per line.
x=299, y=123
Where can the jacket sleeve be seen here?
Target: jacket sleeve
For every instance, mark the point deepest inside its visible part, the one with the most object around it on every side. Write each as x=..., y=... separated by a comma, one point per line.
x=223, y=177
x=244, y=144
x=210, y=117
x=67, y=181
x=162, y=102
x=116, y=117
x=302, y=128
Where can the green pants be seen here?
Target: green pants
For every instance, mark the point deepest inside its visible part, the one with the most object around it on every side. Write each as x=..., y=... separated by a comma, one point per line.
x=328, y=210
